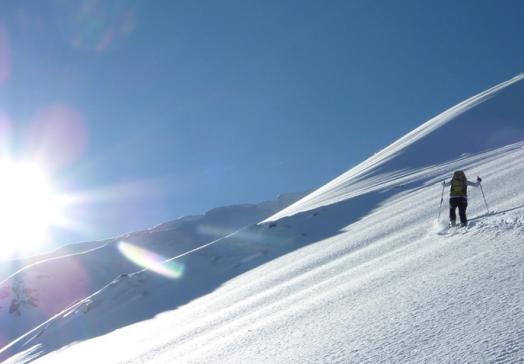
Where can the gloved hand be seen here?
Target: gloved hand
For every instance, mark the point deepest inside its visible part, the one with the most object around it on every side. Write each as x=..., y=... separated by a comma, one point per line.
x=444, y=183
x=479, y=179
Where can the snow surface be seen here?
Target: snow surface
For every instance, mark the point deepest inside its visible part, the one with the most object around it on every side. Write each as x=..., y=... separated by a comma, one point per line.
x=357, y=271
x=34, y=290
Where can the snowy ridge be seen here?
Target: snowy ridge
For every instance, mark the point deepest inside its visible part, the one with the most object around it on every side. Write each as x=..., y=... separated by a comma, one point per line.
x=36, y=292
x=341, y=188
x=358, y=271
x=44, y=260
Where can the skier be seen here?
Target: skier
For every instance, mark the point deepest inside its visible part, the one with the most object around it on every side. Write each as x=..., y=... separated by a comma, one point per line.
x=458, y=196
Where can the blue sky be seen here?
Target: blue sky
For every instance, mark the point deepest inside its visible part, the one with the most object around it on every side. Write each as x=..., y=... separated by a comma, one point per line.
x=175, y=107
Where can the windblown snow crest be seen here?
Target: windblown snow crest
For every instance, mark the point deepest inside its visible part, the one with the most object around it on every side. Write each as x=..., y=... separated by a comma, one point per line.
x=489, y=120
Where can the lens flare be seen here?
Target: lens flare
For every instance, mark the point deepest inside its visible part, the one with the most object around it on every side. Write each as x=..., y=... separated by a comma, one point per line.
x=57, y=136
x=5, y=134
x=42, y=293
x=5, y=58
x=151, y=261
x=96, y=25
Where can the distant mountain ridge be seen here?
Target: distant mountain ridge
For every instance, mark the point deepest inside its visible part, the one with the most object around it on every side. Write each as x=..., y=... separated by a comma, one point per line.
x=33, y=290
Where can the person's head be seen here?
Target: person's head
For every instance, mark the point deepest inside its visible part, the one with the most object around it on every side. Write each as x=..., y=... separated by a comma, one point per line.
x=459, y=175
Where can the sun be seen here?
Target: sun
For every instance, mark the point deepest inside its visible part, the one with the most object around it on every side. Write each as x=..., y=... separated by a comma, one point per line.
x=29, y=207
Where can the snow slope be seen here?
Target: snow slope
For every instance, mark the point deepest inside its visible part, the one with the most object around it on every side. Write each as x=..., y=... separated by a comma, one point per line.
x=357, y=271
x=33, y=290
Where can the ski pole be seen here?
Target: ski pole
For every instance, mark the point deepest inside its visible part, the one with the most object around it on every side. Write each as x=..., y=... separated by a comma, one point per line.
x=483, y=195
x=441, y=200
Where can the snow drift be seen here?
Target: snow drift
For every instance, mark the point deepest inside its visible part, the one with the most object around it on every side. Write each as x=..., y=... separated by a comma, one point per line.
x=357, y=271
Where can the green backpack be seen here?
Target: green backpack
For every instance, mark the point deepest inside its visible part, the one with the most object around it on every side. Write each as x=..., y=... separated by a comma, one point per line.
x=459, y=186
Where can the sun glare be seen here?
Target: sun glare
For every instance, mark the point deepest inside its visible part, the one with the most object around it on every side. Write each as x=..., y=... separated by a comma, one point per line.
x=28, y=207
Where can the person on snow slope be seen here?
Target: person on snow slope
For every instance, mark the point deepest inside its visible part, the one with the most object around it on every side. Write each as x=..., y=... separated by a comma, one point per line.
x=458, y=196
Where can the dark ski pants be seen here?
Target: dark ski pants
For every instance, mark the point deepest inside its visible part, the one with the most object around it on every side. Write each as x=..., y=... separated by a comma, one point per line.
x=462, y=204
